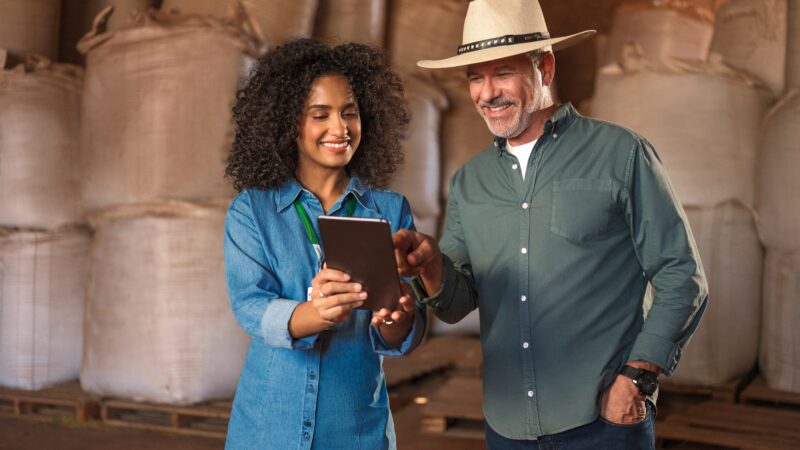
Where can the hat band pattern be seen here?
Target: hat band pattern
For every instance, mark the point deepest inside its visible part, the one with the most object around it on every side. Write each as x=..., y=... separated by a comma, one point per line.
x=509, y=39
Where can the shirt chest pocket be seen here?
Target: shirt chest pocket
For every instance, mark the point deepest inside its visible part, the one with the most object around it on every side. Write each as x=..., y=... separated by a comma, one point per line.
x=581, y=208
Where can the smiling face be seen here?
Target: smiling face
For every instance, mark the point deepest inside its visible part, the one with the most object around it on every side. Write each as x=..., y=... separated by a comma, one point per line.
x=330, y=127
x=508, y=92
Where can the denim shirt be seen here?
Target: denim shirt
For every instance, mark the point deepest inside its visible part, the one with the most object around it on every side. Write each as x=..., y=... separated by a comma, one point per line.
x=321, y=391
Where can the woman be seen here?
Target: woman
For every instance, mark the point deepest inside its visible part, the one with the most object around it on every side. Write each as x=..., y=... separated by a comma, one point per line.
x=317, y=133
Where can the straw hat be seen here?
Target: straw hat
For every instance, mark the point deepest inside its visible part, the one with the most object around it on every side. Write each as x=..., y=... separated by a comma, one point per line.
x=496, y=29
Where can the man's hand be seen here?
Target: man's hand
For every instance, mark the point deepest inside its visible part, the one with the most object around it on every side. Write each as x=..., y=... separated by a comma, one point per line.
x=622, y=403
x=418, y=254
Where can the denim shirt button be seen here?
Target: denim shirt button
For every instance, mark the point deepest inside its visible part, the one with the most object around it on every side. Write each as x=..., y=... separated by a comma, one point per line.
x=310, y=388
x=311, y=376
x=307, y=423
x=306, y=436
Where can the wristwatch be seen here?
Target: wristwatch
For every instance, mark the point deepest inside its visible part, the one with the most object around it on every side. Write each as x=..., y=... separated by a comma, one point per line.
x=645, y=380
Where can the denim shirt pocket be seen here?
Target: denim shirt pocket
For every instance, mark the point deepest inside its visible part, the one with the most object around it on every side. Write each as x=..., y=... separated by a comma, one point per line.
x=581, y=208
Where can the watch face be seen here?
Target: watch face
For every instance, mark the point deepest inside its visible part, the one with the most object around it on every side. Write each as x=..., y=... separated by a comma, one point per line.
x=647, y=383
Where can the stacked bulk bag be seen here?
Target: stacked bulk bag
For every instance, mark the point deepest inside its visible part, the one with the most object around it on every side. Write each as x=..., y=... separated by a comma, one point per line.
x=704, y=120
x=77, y=17
x=419, y=176
x=42, y=289
x=158, y=321
x=156, y=109
x=351, y=21
x=277, y=20
x=39, y=142
x=671, y=28
x=732, y=257
x=779, y=212
x=751, y=36
x=30, y=27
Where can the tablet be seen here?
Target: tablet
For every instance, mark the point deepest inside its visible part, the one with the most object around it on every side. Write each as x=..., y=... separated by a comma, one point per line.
x=363, y=249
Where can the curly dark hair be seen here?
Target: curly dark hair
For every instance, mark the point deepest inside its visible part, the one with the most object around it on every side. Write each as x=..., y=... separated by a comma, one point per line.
x=269, y=108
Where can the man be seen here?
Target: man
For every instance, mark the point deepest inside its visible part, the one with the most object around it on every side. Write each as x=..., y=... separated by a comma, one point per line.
x=553, y=232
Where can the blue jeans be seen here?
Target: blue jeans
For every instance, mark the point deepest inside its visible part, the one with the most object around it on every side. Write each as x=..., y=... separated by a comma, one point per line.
x=598, y=435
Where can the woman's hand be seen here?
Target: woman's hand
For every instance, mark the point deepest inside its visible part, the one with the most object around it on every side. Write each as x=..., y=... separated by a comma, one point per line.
x=395, y=325
x=333, y=296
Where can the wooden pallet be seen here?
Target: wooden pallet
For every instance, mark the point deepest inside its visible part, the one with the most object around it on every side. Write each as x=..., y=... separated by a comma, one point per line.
x=65, y=401
x=455, y=410
x=209, y=419
x=738, y=426
x=727, y=392
x=758, y=392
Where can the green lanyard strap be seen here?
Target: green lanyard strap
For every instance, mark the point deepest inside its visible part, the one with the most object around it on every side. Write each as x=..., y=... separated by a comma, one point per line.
x=350, y=208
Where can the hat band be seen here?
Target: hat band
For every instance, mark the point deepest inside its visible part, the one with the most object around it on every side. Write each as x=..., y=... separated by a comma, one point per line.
x=509, y=39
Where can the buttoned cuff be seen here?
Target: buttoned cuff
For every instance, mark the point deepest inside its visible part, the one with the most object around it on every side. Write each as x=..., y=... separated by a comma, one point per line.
x=444, y=295
x=657, y=350
x=411, y=341
x=275, y=326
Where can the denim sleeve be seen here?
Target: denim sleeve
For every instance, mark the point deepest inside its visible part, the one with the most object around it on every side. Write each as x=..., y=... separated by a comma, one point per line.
x=669, y=258
x=417, y=331
x=252, y=285
x=457, y=296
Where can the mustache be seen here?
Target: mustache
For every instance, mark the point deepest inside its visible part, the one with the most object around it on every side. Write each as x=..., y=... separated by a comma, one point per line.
x=495, y=102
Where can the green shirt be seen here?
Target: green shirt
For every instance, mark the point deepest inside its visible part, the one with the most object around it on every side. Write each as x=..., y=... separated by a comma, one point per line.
x=558, y=263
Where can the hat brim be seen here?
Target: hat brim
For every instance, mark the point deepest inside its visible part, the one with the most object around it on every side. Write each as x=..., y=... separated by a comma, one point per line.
x=493, y=53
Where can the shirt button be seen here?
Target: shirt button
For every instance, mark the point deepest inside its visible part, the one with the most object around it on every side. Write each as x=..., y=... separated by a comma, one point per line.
x=306, y=436
x=525, y=205
x=525, y=345
x=312, y=376
x=530, y=393
x=555, y=135
x=514, y=166
x=523, y=298
x=307, y=423
x=524, y=250
x=310, y=388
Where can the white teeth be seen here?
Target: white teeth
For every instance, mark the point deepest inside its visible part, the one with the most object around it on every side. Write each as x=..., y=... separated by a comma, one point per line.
x=498, y=108
x=336, y=145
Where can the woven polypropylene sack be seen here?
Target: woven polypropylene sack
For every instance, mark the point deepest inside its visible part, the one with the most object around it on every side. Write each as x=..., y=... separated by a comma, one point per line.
x=425, y=30
x=793, y=44
x=351, y=21
x=278, y=20
x=158, y=321
x=779, y=359
x=778, y=182
x=157, y=120
x=704, y=121
x=732, y=258
x=42, y=291
x=39, y=144
x=30, y=27
x=662, y=30
x=419, y=177
x=77, y=17
x=751, y=36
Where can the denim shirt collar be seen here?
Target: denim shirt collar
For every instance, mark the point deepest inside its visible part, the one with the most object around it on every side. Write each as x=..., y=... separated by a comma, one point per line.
x=292, y=188
x=559, y=121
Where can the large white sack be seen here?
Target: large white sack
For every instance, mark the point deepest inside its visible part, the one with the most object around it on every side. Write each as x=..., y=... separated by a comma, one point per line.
x=793, y=44
x=157, y=120
x=667, y=29
x=779, y=359
x=751, y=36
x=30, y=27
x=351, y=21
x=704, y=120
x=39, y=143
x=779, y=176
x=732, y=259
x=277, y=20
x=158, y=321
x=419, y=177
x=42, y=290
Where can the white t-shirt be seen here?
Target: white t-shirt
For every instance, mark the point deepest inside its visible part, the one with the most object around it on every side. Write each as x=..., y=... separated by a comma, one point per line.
x=523, y=154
